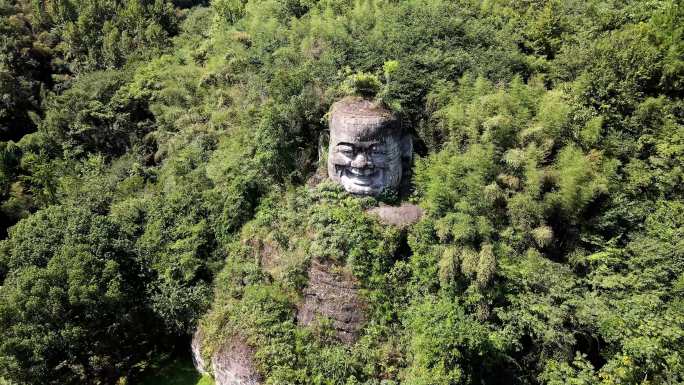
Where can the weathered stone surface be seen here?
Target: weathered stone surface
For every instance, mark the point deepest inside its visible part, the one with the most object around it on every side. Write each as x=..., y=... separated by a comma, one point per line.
x=402, y=216
x=231, y=364
x=335, y=296
x=196, y=350
x=267, y=251
x=368, y=148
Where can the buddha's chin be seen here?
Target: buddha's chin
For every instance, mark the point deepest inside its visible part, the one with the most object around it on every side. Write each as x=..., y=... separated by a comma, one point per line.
x=362, y=182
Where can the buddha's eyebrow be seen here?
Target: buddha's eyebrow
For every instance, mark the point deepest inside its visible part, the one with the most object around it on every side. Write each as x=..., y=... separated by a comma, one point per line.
x=361, y=145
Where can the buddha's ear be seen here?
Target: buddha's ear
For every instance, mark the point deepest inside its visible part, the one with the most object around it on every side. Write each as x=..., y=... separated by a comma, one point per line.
x=406, y=145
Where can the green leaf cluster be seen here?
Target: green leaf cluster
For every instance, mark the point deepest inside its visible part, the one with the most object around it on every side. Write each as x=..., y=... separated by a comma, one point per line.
x=157, y=172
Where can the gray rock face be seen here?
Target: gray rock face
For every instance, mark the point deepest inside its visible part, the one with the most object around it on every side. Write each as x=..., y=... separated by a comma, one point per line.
x=368, y=149
x=402, y=216
x=334, y=296
x=231, y=364
x=196, y=350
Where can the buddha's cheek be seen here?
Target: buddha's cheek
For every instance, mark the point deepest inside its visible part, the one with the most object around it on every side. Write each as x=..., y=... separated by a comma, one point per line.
x=379, y=179
x=340, y=163
x=393, y=173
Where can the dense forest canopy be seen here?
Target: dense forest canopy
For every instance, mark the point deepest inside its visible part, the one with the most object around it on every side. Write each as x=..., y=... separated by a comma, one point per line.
x=147, y=146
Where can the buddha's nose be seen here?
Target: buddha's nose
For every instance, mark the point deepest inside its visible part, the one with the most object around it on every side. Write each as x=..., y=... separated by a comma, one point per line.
x=360, y=161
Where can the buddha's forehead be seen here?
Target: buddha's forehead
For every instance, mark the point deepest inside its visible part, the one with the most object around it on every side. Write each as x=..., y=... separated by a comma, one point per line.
x=362, y=129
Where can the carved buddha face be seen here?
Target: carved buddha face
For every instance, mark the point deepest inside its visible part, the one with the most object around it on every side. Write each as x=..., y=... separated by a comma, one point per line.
x=366, y=147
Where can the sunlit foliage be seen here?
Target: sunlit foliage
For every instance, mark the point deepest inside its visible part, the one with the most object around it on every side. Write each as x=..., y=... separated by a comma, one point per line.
x=149, y=150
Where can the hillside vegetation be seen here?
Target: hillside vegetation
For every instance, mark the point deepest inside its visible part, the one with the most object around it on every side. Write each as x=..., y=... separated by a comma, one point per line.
x=147, y=149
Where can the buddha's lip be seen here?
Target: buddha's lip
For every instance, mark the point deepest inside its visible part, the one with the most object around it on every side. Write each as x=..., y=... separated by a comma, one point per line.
x=367, y=171
x=360, y=177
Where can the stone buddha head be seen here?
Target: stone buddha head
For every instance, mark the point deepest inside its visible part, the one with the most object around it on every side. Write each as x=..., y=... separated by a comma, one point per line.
x=368, y=150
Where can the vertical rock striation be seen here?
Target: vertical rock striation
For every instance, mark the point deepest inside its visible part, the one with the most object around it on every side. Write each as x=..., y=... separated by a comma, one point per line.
x=196, y=350
x=335, y=296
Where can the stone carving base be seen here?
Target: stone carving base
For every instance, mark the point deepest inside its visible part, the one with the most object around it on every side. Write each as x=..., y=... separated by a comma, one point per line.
x=401, y=216
x=334, y=296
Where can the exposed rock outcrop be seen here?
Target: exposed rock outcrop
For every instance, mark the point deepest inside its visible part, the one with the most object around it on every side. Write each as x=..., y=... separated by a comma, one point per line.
x=334, y=295
x=231, y=364
x=196, y=350
x=402, y=216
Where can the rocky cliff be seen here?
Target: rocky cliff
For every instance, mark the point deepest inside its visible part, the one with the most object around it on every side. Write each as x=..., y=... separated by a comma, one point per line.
x=334, y=294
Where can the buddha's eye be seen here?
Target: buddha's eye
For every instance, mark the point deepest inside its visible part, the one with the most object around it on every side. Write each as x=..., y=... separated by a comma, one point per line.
x=377, y=150
x=346, y=150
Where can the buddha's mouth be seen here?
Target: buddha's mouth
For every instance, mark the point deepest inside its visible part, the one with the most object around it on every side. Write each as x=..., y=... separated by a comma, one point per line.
x=361, y=176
